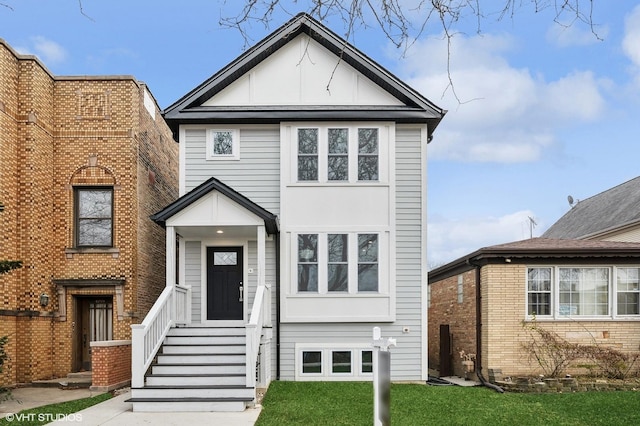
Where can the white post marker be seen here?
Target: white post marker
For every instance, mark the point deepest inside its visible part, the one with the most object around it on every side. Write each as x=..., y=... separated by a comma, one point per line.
x=381, y=378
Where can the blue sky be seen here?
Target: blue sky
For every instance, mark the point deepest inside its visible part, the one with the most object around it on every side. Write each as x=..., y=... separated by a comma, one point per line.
x=547, y=111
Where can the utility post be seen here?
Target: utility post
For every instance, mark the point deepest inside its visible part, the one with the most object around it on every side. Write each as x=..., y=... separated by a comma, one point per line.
x=381, y=378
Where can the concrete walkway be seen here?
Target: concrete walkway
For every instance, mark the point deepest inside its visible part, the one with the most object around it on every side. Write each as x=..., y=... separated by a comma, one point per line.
x=115, y=411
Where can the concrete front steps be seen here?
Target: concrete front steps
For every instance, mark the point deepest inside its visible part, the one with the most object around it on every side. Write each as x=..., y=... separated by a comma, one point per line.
x=197, y=369
x=72, y=381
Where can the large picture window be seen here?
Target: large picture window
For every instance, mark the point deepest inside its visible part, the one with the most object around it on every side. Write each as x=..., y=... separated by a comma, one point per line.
x=94, y=216
x=570, y=292
x=338, y=263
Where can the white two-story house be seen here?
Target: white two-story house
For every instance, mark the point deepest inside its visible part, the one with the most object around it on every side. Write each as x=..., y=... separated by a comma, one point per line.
x=301, y=226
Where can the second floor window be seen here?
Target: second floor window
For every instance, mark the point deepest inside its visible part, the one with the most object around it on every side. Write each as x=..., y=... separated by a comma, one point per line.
x=331, y=154
x=94, y=216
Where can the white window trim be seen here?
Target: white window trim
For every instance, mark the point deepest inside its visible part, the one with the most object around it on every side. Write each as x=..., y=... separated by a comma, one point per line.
x=384, y=134
x=235, y=139
x=555, y=296
x=327, y=349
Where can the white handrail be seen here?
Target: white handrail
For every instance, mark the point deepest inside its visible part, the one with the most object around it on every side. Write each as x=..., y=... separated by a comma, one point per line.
x=146, y=338
x=254, y=333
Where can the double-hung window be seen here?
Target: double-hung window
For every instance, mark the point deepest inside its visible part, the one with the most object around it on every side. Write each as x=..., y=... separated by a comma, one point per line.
x=307, y=154
x=628, y=294
x=367, y=262
x=368, y=154
x=338, y=262
x=308, y=262
x=539, y=291
x=94, y=216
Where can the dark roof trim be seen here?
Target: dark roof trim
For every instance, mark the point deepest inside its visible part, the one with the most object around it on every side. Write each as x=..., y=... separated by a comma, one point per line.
x=520, y=252
x=303, y=23
x=213, y=184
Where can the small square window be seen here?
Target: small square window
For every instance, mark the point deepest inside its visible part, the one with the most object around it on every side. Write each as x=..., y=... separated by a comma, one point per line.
x=341, y=362
x=312, y=362
x=222, y=144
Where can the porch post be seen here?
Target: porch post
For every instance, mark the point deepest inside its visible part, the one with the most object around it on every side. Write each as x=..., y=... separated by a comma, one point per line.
x=171, y=257
x=261, y=254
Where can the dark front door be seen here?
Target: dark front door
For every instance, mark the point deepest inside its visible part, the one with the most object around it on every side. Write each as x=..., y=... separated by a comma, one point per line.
x=225, y=291
x=94, y=323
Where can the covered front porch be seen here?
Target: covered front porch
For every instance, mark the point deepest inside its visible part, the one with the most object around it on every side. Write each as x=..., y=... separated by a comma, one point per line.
x=206, y=343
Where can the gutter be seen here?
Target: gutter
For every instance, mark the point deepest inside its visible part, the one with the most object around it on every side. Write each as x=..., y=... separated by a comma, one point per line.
x=483, y=381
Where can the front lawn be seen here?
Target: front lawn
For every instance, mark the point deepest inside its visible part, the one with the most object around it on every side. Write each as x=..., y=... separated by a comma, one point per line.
x=349, y=403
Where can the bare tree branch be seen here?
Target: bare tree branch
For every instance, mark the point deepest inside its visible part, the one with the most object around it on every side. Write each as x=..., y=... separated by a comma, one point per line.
x=402, y=23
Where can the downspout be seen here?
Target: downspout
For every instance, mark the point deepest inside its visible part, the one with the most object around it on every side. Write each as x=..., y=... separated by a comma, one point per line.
x=479, y=331
x=278, y=305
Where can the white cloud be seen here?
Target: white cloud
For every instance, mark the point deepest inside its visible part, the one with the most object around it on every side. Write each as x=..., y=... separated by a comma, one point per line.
x=49, y=52
x=631, y=40
x=449, y=239
x=502, y=114
x=575, y=34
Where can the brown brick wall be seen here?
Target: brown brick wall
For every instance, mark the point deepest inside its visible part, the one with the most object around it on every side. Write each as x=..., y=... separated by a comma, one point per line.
x=461, y=318
x=111, y=365
x=57, y=133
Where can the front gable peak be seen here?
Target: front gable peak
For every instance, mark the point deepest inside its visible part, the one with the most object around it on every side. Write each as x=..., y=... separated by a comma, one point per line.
x=302, y=71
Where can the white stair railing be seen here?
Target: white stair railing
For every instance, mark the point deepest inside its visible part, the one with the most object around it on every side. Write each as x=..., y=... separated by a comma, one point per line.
x=254, y=331
x=146, y=338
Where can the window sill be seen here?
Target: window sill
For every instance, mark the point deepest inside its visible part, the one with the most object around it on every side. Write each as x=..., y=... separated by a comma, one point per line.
x=113, y=251
x=529, y=319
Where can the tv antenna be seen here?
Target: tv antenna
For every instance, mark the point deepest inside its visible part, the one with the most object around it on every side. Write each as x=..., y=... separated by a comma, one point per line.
x=532, y=224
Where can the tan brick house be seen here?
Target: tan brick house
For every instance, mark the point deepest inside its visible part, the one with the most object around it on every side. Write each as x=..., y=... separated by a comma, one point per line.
x=85, y=161
x=586, y=291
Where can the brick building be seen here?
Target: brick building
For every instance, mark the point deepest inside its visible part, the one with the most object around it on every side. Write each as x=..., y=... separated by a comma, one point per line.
x=585, y=291
x=85, y=161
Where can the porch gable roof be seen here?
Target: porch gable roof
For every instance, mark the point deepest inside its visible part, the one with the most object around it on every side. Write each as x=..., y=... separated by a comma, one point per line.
x=212, y=184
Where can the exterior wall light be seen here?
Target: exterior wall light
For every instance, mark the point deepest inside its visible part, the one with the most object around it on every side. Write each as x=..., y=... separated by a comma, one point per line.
x=44, y=299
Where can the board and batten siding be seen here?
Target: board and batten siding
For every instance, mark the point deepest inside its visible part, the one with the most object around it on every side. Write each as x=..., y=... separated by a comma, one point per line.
x=409, y=356
x=256, y=175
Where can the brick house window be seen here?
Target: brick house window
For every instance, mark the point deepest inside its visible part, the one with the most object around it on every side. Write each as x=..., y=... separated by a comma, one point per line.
x=93, y=216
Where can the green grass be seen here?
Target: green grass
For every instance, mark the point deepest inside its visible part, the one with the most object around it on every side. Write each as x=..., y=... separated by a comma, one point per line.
x=48, y=413
x=347, y=403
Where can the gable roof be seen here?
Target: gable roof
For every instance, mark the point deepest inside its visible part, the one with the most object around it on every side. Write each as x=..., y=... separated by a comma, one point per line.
x=415, y=108
x=213, y=184
x=539, y=250
x=618, y=207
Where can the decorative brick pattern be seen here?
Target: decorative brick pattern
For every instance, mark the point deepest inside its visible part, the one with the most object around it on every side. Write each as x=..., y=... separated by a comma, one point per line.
x=57, y=133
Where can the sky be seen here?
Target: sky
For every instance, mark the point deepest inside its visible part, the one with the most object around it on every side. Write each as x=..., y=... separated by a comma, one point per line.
x=544, y=110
